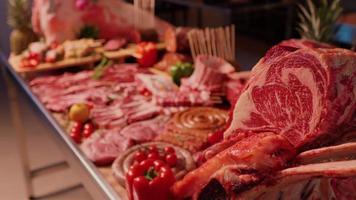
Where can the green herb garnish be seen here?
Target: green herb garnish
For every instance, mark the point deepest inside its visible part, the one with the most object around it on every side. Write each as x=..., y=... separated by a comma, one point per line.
x=101, y=67
x=89, y=31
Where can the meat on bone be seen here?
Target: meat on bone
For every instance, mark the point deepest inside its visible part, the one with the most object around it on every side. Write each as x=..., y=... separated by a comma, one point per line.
x=301, y=95
x=313, y=181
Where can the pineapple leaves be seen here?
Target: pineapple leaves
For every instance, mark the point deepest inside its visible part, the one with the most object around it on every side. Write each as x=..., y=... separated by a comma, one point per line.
x=19, y=14
x=317, y=20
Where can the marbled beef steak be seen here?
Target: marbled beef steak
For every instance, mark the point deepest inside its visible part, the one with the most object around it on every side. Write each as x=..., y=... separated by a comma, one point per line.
x=300, y=95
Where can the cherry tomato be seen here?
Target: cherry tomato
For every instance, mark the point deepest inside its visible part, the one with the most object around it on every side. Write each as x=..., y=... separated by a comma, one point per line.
x=158, y=164
x=89, y=126
x=76, y=131
x=78, y=125
x=146, y=54
x=152, y=149
x=33, y=62
x=87, y=133
x=171, y=159
x=76, y=137
x=140, y=156
x=169, y=149
x=153, y=155
x=34, y=55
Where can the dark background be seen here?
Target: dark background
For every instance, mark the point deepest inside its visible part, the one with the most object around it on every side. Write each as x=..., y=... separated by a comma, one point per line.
x=259, y=23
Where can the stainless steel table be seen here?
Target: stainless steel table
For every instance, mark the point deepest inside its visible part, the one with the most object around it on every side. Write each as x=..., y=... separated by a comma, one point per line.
x=90, y=176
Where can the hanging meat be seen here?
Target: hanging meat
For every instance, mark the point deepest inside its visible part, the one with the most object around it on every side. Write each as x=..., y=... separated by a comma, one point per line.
x=300, y=96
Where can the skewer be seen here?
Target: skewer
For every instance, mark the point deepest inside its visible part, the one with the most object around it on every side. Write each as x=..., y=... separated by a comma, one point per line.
x=218, y=42
x=142, y=6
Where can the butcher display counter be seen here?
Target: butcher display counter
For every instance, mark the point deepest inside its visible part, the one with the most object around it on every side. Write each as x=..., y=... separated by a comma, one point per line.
x=95, y=180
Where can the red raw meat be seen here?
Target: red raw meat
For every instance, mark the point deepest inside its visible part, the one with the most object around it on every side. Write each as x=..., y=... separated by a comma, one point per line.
x=235, y=85
x=115, y=44
x=60, y=92
x=145, y=131
x=102, y=148
x=59, y=20
x=210, y=73
x=301, y=94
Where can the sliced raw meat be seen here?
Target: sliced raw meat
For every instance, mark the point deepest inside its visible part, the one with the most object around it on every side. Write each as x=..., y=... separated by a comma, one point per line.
x=103, y=148
x=145, y=131
x=115, y=44
x=60, y=92
x=210, y=73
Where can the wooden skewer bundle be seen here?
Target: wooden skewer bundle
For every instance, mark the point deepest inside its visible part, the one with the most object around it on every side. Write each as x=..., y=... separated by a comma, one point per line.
x=218, y=42
x=147, y=5
x=142, y=6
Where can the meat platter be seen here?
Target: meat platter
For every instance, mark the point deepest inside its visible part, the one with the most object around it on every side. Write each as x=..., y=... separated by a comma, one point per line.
x=158, y=123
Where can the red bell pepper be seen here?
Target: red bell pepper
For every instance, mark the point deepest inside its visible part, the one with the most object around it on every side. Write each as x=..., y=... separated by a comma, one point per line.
x=146, y=54
x=149, y=179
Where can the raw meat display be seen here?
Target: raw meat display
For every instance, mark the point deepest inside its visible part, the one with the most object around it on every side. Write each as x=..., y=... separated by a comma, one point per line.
x=154, y=111
x=60, y=92
x=298, y=97
x=60, y=20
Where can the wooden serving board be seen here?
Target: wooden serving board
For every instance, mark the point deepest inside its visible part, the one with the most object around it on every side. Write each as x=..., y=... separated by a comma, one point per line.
x=15, y=60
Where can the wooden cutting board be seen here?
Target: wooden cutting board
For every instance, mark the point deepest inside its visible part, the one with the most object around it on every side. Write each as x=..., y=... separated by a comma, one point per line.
x=15, y=60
